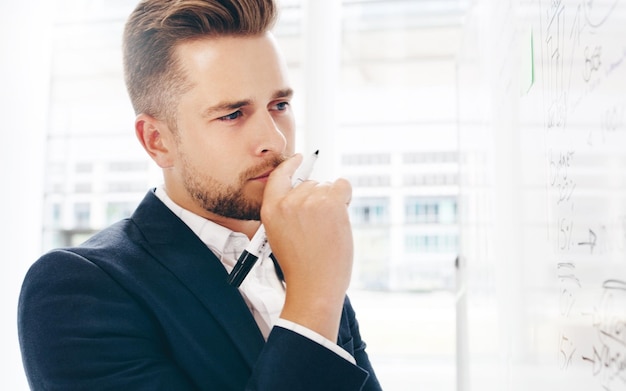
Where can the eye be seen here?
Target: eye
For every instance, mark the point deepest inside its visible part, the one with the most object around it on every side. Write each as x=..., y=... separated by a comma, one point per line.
x=281, y=106
x=232, y=116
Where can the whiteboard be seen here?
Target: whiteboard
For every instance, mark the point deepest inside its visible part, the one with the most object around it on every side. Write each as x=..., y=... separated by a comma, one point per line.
x=542, y=135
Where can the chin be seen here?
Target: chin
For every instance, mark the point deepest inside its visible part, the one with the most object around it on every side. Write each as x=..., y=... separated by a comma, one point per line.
x=255, y=195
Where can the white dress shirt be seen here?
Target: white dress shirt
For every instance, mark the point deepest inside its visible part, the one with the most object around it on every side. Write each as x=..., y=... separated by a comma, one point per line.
x=262, y=290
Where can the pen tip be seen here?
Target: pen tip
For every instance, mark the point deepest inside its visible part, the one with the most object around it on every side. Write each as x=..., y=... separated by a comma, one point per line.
x=317, y=152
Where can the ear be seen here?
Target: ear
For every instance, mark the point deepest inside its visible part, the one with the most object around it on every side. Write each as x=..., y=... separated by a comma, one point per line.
x=156, y=138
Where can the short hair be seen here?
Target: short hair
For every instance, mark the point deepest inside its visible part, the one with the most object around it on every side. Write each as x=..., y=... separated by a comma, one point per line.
x=153, y=76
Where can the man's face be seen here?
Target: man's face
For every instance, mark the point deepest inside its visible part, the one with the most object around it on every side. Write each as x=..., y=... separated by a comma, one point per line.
x=234, y=125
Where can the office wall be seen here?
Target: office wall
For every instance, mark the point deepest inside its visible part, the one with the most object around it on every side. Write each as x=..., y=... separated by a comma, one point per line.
x=542, y=133
x=24, y=50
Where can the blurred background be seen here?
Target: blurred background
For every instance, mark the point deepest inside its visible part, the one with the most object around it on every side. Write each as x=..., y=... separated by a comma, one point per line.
x=376, y=92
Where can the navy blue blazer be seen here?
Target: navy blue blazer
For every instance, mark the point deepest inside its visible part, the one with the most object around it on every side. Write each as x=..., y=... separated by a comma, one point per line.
x=144, y=305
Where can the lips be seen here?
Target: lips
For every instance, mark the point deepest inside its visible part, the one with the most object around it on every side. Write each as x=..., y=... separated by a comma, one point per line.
x=263, y=176
x=262, y=171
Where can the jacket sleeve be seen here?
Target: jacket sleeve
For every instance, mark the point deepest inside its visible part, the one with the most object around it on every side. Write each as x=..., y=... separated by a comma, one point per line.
x=358, y=347
x=290, y=361
x=78, y=330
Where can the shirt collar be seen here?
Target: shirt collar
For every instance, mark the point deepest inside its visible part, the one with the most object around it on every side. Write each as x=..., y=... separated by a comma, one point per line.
x=225, y=243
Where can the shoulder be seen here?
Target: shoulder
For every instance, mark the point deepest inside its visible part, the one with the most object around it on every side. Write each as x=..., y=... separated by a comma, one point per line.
x=94, y=260
x=115, y=239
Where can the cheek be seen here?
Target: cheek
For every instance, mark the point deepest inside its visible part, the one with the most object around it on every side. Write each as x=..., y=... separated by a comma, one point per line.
x=195, y=158
x=287, y=127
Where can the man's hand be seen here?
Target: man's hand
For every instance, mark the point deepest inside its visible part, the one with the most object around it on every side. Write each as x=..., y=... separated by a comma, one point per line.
x=309, y=231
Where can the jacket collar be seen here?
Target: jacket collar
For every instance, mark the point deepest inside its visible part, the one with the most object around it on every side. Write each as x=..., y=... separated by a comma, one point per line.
x=172, y=243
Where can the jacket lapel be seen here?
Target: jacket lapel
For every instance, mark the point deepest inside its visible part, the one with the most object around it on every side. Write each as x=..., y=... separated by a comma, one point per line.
x=177, y=248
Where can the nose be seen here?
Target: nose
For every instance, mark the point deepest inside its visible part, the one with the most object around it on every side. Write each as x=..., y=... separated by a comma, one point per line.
x=269, y=138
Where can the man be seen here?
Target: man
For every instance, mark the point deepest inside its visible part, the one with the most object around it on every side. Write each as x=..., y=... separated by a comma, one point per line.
x=145, y=304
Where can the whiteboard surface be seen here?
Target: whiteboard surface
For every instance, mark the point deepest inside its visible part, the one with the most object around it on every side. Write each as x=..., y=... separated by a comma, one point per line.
x=542, y=135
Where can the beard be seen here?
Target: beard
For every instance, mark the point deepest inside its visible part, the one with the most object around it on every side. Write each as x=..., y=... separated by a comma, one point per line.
x=224, y=199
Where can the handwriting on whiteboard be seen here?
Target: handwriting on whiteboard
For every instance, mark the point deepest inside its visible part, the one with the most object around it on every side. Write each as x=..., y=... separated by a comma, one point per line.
x=578, y=64
x=609, y=351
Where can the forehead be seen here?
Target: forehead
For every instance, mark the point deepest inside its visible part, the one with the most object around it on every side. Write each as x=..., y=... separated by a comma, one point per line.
x=231, y=62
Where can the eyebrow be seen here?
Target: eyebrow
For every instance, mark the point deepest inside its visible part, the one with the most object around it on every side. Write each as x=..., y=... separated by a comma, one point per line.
x=284, y=93
x=221, y=107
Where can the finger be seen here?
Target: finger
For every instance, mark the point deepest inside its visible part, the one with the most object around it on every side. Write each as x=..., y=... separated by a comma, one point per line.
x=279, y=181
x=343, y=189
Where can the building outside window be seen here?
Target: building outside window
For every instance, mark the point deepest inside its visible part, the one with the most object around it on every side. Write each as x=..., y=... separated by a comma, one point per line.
x=441, y=210
x=82, y=215
x=366, y=211
x=116, y=211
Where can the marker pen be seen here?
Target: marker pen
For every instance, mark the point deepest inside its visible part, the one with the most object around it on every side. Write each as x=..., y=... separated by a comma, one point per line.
x=258, y=244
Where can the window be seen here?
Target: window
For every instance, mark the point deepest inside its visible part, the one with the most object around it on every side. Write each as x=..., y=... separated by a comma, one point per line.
x=82, y=214
x=126, y=166
x=53, y=215
x=369, y=211
x=84, y=167
x=429, y=157
x=360, y=159
x=445, y=243
x=430, y=210
x=370, y=180
x=119, y=210
x=82, y=187
x=126, y=187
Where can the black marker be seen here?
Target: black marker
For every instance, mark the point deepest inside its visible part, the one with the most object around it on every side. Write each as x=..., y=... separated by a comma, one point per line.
x=258, y=244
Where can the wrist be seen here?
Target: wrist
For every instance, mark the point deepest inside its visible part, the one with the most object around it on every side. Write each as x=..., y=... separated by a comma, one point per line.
x=320, y=314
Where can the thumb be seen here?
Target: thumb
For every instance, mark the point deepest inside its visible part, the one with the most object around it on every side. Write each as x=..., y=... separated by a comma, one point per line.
x=279, y=181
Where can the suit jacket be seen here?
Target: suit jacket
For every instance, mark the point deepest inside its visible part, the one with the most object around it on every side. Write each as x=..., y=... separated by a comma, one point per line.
x=144, y=304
